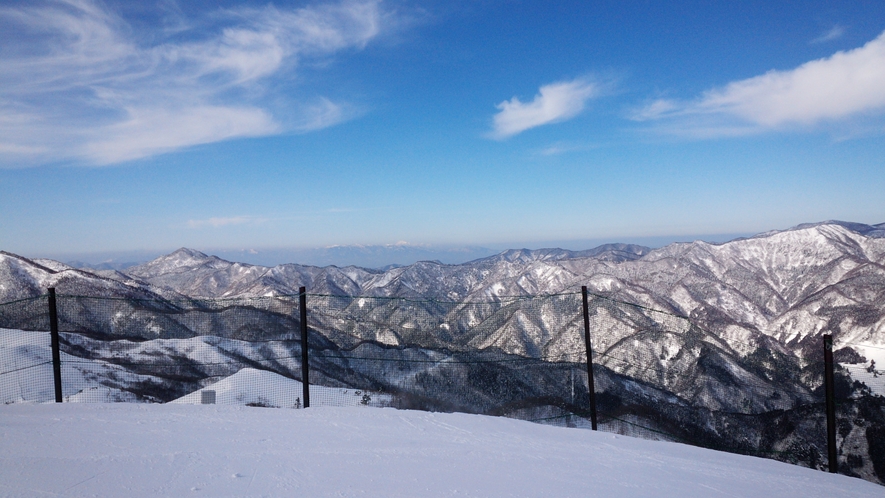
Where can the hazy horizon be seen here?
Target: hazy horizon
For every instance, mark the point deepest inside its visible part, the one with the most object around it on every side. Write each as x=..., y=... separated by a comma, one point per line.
x=375, y=256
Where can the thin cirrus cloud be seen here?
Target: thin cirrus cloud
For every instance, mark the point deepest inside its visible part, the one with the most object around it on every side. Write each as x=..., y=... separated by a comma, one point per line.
x=845, y=85
x=149, y=131
x=554, y=103
x=81, y=83
x=834, y=33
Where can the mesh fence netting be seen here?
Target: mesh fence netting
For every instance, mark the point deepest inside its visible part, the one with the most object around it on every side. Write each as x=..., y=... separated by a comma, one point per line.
x=25, y=354
x=657, y=375
x=521, y=357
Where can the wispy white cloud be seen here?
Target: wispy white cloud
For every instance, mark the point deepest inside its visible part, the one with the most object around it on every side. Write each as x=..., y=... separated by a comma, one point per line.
x=555, y=150
x=565, y=148
x=845, y=85
x=834, y=33
x=148, y=131
x=79, y=82
x=554, y=103
x=221, y=221
x=16, y=149
x=324, y=113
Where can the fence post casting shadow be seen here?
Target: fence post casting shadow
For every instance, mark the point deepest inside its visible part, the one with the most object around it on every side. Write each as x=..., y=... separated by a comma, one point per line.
x=56, y=355
x=829, y=388
x=590, y=384
x=305, y=383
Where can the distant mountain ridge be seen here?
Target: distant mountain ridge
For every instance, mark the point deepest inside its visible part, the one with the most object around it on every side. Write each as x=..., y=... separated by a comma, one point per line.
x=790, y=284
x=874, y=231
x=614, y=253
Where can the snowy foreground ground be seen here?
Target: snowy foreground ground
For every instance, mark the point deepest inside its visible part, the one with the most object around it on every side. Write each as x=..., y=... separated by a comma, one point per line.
x=133, y=450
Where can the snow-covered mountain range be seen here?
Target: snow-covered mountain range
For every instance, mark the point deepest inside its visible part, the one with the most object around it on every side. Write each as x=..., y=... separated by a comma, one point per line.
x=735, y=347
x=789, y=285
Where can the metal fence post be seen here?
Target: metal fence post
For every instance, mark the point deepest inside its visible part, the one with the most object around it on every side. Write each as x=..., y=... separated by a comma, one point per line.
x=305, y=383
x=56, y=354
x=590, y=384
x=829, y=388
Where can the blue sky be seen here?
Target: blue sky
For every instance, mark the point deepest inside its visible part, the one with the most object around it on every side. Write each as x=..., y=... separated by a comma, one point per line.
x=230, y=126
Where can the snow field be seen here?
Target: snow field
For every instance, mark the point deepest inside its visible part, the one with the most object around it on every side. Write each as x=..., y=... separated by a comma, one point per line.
x=139, y=450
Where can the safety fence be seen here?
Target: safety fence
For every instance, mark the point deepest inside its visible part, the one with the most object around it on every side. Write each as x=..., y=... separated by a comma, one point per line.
x=653, y=374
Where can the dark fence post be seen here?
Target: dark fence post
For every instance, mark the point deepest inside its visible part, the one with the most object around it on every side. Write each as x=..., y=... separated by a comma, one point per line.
x=590, y=384
x=56, y=354
x=305, y=383
x=829, y=382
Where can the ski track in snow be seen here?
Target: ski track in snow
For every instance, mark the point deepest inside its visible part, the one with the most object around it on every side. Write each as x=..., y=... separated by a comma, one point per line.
x=138, y=450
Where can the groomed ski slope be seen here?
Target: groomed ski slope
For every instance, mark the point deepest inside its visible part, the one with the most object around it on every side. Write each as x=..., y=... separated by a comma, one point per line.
x=134, y=450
